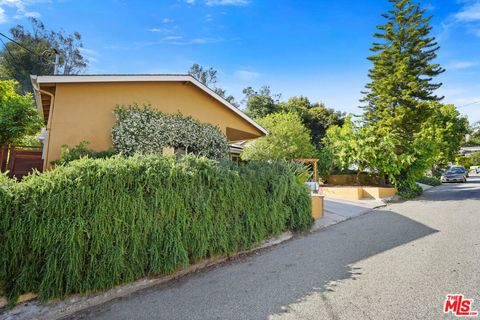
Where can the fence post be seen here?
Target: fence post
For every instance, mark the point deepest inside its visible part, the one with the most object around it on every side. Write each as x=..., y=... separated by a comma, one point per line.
x=3, y=157
x=11, y=161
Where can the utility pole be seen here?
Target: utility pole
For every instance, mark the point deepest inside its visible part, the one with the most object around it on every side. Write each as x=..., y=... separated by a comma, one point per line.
x=57, y=61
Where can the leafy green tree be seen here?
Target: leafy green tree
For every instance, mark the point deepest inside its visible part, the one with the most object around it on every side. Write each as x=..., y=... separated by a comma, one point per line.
x=317, y=117
x=18, y=64
x=260, y=103
x=401, y=87
x=341, y=147
x=473, y=137
x=288, y=139
x=18, y=117
x=261, y=106
x=206, y=76
x=209, y=78
x=475, y=158
x=249, y=92
x=446, y=130
x=357, y=147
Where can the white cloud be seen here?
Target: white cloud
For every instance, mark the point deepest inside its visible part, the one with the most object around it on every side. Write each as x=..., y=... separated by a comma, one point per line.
x=460, y=65
x=167, y=20
x=3, y=16
x=200, y=41
x=90, y=54
x=469, y=13
x=179, y=41
x=32, y=14
x=208, y=18
x=227, y=2
x=190, y=1
x=162, y=30
x=172, y=38
x=246, y=75
x=156, y=30
x=20, y=8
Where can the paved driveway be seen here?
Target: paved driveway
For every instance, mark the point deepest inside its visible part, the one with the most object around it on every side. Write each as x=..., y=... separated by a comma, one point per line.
x=398, y=262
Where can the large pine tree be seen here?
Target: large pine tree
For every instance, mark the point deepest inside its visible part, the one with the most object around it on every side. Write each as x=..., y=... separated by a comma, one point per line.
x=399, y=95
x=403, y=72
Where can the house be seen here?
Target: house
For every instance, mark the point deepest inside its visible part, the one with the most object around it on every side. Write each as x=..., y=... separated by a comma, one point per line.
x=80, y=107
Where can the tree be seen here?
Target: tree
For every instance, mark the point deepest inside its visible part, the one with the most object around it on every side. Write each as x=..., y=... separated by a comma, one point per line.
x=317, y=117
x=17, y=63
x=249, y=92
x=475, y=158
x=402, y=71
x=401, y=87
x=261, y=103
x=206, y=76
x=261, y=106
x=447, y=129
x=18, y=117
x=288, y=139
x=357, y=147
x=209, y=78
x=473, y=137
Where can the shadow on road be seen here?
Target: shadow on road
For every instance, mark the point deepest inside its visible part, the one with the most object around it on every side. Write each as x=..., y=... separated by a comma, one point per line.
x=260, y=285
x=454, y=192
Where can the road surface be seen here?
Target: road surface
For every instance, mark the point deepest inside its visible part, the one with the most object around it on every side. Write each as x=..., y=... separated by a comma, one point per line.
x=398, y=262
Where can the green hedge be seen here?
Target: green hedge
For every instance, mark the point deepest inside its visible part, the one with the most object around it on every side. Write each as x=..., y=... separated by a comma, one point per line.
x=406, y=191
x=431, y=181
x=99, y=223
x=146, y=130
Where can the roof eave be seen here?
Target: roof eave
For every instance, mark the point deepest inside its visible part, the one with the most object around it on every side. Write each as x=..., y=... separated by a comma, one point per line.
x=54, y=79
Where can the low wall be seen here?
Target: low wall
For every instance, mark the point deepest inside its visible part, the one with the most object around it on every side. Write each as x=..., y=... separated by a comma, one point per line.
x=351, y=179
x=317, y=206
x=358, y=192
x=378, y=192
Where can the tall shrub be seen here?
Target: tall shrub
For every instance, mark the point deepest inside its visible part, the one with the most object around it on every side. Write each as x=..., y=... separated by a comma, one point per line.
x=145, y=130
x=98, y=223
x=6, y=201
x=18, y=116
x=288, y=139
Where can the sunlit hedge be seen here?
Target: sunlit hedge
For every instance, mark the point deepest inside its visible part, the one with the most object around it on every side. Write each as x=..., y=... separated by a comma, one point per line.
x=98, y=223
x=146, y=130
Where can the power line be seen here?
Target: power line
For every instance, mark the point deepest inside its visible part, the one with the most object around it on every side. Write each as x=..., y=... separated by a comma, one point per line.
x=42, y=58
x=19, y=44
x=469, y=104
x=8, y=50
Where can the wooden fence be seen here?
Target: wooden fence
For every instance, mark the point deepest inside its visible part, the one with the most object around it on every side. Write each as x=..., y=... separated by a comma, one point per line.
x=20, y=160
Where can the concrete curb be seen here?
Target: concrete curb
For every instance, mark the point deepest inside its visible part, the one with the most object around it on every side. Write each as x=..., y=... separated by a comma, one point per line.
x=58, y=309
x=424, y=187
x=331, y=218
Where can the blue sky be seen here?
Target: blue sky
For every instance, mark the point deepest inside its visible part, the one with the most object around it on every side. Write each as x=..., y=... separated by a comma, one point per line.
x=313, y=48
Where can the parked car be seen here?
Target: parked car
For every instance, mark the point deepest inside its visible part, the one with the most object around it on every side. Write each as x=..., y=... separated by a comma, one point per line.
x=454, y=174
x=462, y=168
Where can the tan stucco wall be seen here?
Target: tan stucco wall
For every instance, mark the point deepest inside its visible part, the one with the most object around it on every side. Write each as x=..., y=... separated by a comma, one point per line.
x=317, y=206
x=358, y=192
x=84, y=111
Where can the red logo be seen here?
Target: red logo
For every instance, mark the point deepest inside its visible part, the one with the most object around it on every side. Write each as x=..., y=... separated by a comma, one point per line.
x=459, y=306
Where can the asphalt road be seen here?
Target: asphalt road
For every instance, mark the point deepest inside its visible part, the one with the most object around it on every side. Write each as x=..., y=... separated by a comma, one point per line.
x=394, y=263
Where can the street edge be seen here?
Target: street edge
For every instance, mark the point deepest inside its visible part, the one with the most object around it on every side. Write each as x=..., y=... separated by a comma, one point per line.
x=58, y=309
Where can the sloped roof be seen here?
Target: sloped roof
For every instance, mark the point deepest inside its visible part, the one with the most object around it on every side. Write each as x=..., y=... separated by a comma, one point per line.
x=54, y=79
